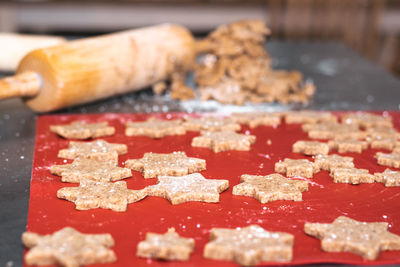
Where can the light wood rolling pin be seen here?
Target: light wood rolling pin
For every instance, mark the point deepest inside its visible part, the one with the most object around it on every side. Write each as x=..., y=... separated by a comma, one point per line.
x=15, y=46
x=94, y=68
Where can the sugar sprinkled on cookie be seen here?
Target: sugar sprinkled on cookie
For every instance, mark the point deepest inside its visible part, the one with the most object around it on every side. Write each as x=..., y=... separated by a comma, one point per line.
x=297, y=168
x=155, y=128
x=68, y=247
x=169, y=246
x=105, y=195
x=270, y=188
x=88, y=169
x=98, y=149
x=348, y=235
x=222, y=141
x=82, y=130
x=192, y=187
x=249, y=245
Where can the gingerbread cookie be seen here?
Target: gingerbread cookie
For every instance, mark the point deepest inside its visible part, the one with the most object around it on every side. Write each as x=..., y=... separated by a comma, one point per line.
x=329, y=162
x=254, y=119
x=388, y=177
x=309, y=117
x=155, y=128
x=169, y=246
x=175, y=164
x=351, y=175
x=270, y=188
x=332, y=130
x=388, y=159
x=81, y=130
x=249, y=245
x=348, y=235
x=296, y=167
x=88, y=169
x=192, y=187
x=383, y=143
x=310, y=148
x=93, y=194
x=68, y=247
x=367, y=120
x=348, y=145
x=211, y=124
x=222, y=141
x=98, y=149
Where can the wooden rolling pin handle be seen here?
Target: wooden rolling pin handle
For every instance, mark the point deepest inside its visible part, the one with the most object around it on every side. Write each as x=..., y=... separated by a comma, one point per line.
x=26, y=84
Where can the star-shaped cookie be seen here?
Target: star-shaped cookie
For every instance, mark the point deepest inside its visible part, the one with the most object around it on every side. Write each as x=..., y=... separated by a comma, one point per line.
x=68, y=247
x=367, y=120
x=211, y=124
x=249, y=245
x=328, y=162
x=81, y=130
x=297, y=168
x=254, y=119
x=168, y=246
x=270, y=188
x=388, y=159
x=155, y=128
x=388, y=177
x=225, y=140
x=311, y=148
x=192, y=187
x=344, y=145
x=351, y=175
x=92, y=195
x=89, y=169
x=175, y=164
x=348, y=235
x=309, y=117
x=98, y=149
x=331, y=130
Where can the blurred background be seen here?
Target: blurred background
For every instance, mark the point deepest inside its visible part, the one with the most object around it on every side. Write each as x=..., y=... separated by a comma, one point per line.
x=371, y=27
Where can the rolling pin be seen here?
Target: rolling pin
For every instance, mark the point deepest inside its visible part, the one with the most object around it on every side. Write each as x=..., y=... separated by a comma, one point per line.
x=94, y=68
x=15, y=46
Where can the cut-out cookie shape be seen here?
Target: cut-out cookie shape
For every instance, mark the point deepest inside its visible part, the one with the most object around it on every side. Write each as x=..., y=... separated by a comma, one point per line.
x=329, y=162
x=222, y=141
x=388, y=159
x=174, y=164
x=155, y=128
x=367, y=120
x=348, y=235
x=105, y=195
x=309, y=117
x=388, y=177
x=332, y=130
x=249, y=245
x=192, y=187
x=311, y=148
x=88, y=169
x=351, y=176
x=68, y=247
x=348, y=145
x=254, y=119
x=98, y=149
x=270, y=188
x=296, y=168
x=81, y=130
x=169, y=246
x=211, y=124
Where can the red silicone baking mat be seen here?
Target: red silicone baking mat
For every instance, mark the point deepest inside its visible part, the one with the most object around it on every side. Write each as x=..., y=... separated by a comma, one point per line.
x=323, y=202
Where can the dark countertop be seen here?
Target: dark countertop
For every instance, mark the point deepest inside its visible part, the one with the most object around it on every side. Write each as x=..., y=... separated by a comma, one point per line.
x=344, y=81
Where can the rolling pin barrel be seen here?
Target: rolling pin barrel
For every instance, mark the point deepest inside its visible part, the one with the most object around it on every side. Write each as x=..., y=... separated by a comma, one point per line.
x=94, y=68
